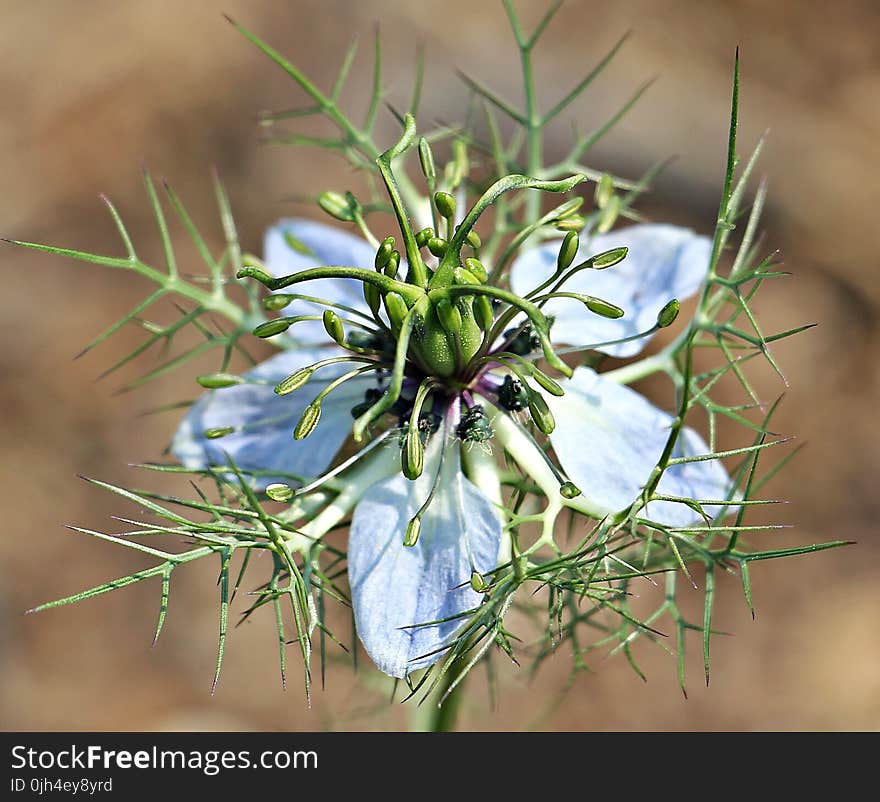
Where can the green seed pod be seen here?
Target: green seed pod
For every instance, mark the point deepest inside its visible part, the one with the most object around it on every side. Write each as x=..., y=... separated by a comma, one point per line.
x=423, y=236
x=294, y=381
x=336, y=206
x=478, y=582
x=547, y=383
x=437, y=246
x=483, y=312
x=220, y=431
x=540, y=413
x=569, y=490
x=278, y=491
x=412, y=455
x=309, y=420
x=450, y=317
x=445, y=204
x=272, y=327
x=473, y=239
x=567, y=251
x=393, y=264
x=396, y=308
x=384, y=252
x=574, y=223
x=212, y=381
x=604, y=308
x=475, y=267
x=609, y=258
x=280, y=300
x=426, y=159
x=413, y=529
x=333, y=326
x=373, y=298
x=667, y=315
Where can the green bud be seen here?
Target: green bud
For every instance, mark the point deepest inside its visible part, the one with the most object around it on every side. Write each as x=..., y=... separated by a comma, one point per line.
x=278, y=491
x=483, y=312
x=272, y=327
x=459, y=167
x=609, y=215
x=574, y=223
x=393, y=264
x=475, y=267
x=426, y=159
x=373, y=298
x=540, y=413
x=604, y=191
x=473, y=239
x=604, y=308
x=294, y=381
x=445, y=204
x=254, y=272
x=396, y=308
x=423, y=236
x=279, y=300
x=333, y=326
x=384, y=252
x=461, y=275
x=213, y=380
x=437, y=246
x=567, y=251
x=336, y=206
x=606, y=259
x=569, y=490
x=547, y=383
x=220, y=431
x=568, y=208
x=667, y=315
x=413, y=529
x=450, y=317
x=478, y=582
x=412, y=455
x=307, y=423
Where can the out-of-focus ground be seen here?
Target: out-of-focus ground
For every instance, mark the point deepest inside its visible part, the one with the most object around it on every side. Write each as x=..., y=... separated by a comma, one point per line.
x=90, y=91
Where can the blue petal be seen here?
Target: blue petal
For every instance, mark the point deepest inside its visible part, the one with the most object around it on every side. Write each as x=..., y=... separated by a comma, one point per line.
x=265, y=441
x=321, y=245
x=395, y=587
x=663, y=262
x=608, y=439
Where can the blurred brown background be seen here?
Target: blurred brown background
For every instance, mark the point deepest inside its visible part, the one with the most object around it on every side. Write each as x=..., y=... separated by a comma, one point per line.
x=91, y=90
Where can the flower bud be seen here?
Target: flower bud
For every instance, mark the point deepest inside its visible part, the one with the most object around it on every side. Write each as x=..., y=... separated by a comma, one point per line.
x=445, y=204
x=609, y=215
x=333, y=326
x=568, y=208
x=608, y=258
x=483, y=312
x=513, y=395
x=217, y=433
x=547, y=383
x=476, y=269
x=473, y=239
x=540, y=413
x=272, y=327
x=574, y=223
x=423, y=236
x=604, y=191
x=450, y=317
x=604, y=308
x=478, y=582
x=567, y=251
x=336, y=206
x=309, y=420
x=396, y=308
x=475, y=426
x=280, y=300
x=278, y=491
x=426, y=159
x=569, y=490
x=667, y=315
x=294, y=381
x=384, y=252
x=412, y=455
x=437, y=246
x=212, y=381
x=373, y=298
x=393, y=264
x=413, y=529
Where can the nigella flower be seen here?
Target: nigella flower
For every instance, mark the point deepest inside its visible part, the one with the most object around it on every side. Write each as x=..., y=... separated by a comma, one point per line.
x=435, y=358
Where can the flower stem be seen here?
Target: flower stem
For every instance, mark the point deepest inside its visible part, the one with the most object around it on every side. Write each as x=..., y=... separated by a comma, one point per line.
x=431, y=716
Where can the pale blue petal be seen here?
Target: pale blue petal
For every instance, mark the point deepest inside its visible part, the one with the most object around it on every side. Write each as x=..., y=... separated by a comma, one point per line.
x=664, y=262
x=395, y=587
x=608, y=439
x=325, y=245
x=268, y=420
